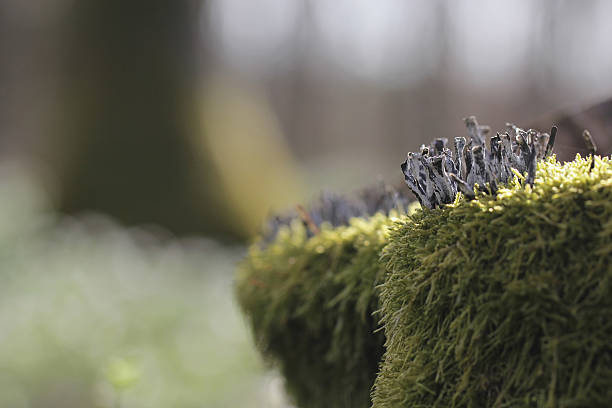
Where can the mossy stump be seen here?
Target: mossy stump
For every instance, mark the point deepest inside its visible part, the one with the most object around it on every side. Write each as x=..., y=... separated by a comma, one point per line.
x=503, y=301
x=310, y=301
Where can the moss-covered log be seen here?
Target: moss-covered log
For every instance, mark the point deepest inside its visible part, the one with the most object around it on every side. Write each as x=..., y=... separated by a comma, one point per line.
x=503, y=301
x=310, y=298
x=498, y=293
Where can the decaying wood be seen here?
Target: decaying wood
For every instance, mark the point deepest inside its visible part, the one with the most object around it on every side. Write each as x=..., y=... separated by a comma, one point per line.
x=597, y=118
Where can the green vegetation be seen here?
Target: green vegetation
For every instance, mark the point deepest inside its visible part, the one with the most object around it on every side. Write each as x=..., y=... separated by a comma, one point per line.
x=93, y=314
x=503, y=301
x=310, y=300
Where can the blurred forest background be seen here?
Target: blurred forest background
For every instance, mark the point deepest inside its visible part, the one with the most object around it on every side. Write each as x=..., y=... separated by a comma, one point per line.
x=143, y=143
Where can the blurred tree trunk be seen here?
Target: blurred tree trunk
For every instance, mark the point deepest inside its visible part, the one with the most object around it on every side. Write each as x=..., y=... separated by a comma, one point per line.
x=129, y=114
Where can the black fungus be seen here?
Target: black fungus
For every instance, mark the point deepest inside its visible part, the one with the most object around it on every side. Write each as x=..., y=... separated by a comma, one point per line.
x=338, y=209
x=436, y=175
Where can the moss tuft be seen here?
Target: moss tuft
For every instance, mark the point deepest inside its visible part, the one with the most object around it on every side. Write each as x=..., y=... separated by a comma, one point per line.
x=503, y=301
x=310, y=299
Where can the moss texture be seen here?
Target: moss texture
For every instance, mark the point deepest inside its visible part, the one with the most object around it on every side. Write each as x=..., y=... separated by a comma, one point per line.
x=310, y=301
x=503, y=301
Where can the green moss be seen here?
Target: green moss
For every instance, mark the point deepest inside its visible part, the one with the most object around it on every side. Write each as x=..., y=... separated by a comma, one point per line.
x=310, y=302
x=503, y=301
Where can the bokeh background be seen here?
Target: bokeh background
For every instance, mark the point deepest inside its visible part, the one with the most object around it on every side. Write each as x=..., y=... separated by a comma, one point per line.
x=142, y=144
